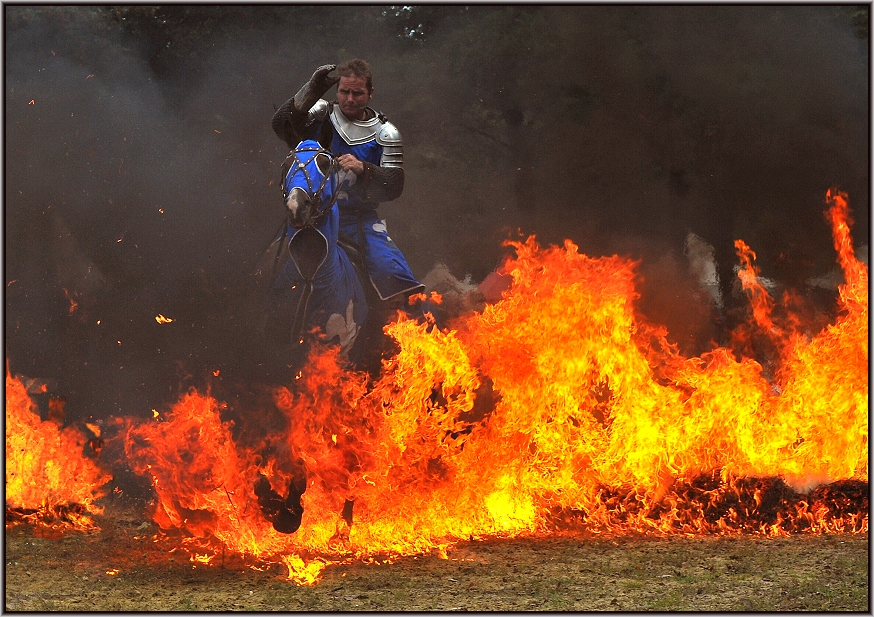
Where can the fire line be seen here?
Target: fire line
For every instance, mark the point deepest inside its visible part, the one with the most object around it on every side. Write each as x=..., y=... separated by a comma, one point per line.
x=555, y=408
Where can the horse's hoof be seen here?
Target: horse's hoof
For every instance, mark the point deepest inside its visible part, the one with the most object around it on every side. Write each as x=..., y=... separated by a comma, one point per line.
x=287, y=522
x=284, y=514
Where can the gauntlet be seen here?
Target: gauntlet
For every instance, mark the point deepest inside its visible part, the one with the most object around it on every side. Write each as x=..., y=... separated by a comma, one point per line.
x=290, y=121
x=315, y=88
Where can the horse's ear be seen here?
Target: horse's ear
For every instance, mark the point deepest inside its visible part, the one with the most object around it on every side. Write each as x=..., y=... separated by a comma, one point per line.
x=323, y=161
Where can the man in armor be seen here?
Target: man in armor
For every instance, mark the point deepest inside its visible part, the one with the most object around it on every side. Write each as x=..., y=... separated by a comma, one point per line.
x=369, y=150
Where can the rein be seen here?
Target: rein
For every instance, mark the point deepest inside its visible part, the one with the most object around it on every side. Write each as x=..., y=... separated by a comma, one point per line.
x=292, y=165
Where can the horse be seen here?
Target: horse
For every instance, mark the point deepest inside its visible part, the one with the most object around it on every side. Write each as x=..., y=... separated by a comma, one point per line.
x=315, y=292
x=315, y=287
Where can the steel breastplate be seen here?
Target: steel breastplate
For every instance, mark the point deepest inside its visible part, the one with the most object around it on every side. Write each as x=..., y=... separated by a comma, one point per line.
x=355, y=132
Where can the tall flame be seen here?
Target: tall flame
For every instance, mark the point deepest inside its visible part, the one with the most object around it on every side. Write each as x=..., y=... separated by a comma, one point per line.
x=47, y=473
x=557, y=399
x=556, y=405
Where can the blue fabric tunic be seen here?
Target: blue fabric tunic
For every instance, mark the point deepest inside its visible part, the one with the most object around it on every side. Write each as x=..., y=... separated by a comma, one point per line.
x=387, y=267
x=317, y=283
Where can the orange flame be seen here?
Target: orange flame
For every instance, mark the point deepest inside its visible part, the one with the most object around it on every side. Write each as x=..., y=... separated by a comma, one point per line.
x=556, y=406
x=47, y=474
x=556, y=402
x=761, y=302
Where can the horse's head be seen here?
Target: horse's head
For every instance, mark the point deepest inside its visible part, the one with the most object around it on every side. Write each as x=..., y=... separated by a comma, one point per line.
x=310, y=185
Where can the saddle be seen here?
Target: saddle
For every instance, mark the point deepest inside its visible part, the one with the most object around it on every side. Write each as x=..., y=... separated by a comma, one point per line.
x=353, y=251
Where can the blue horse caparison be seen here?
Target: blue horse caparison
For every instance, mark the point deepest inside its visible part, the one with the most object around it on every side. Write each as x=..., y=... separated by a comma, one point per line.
x=316, y=284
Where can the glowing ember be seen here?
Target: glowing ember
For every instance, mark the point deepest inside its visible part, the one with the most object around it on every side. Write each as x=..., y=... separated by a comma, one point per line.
x=73, y=304
x=557, y=405
x=48, y=477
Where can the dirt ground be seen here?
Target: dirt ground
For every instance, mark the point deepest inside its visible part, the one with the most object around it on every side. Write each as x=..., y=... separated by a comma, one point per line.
x=121, y=567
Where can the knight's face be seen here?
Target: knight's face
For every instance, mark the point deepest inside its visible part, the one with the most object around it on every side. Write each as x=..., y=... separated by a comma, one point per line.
x=353, y=97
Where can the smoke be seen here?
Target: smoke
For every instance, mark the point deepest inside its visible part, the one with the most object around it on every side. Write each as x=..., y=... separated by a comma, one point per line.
x=133, y=202
x=136, y=189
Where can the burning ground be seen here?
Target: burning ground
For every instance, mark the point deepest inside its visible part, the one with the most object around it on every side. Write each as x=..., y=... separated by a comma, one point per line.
x=555, y=409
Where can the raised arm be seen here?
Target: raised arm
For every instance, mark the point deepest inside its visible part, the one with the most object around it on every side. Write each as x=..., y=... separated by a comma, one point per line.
x=291, y=121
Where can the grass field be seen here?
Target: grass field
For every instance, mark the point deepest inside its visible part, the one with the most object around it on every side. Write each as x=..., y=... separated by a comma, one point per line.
x=121, y=567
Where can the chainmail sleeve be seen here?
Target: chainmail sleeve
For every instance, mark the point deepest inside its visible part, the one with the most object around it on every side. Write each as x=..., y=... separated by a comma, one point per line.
x=378, y=184
x=284, y=121
x=293, y=122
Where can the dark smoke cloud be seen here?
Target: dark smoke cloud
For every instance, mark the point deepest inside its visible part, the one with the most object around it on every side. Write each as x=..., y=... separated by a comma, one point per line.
x=136, y=191
x=112, y=172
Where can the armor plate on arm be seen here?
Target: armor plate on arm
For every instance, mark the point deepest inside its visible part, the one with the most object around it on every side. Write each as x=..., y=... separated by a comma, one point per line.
x=318, y=112
x=389, y=137
x=386, y=181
